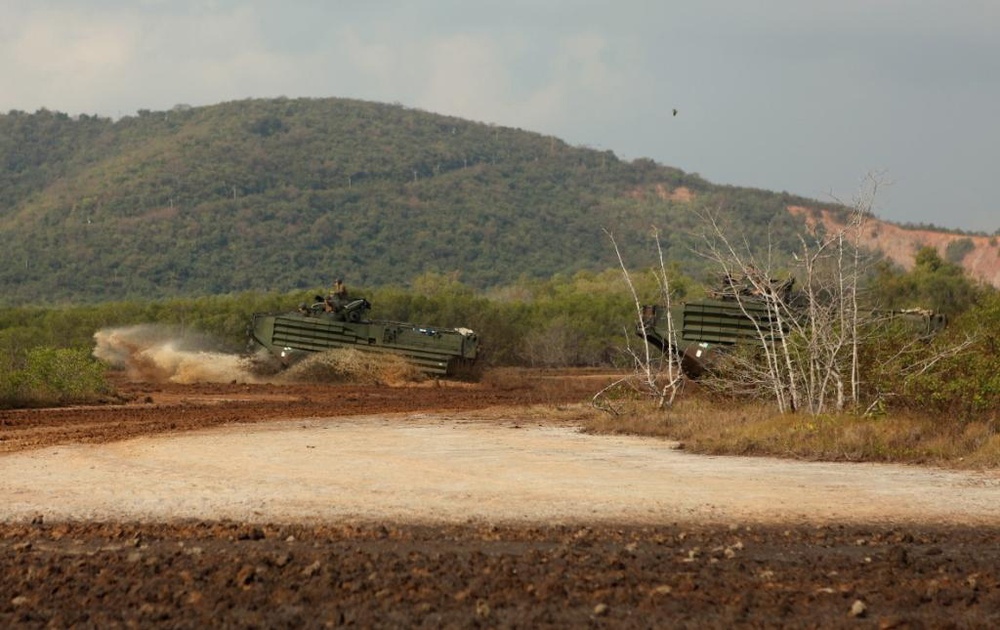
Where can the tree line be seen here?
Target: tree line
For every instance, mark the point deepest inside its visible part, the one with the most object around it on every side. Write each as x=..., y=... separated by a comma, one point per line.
x=582, y=320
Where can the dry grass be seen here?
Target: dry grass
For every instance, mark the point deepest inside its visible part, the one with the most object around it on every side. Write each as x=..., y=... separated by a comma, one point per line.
x=709, y=427
x=348, y=365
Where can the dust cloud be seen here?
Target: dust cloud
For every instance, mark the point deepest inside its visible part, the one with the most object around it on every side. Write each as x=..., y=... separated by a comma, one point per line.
x=160, y=355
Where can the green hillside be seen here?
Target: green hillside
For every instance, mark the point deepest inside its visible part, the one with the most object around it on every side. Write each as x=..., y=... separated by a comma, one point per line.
x=285, y=194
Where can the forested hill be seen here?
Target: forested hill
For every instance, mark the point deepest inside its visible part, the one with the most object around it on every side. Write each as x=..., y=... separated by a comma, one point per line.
x=285, y=194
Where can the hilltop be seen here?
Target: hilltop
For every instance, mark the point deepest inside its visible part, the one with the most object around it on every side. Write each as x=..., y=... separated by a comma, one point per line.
x=283, y=194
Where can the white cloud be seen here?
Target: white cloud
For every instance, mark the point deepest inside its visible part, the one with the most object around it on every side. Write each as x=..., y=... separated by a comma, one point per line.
x=472, y=77
x=466, y=76
x=60, y=59
x=581, y=61
x=374, y=61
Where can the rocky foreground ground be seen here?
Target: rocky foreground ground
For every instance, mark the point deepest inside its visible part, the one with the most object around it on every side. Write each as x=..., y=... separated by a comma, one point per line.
x=194, y=575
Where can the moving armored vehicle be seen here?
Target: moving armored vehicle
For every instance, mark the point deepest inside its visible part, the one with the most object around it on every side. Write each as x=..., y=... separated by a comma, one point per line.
x=324, y=325
x=735, y=313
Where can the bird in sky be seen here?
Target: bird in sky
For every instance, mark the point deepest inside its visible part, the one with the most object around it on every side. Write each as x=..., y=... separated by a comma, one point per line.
x=675, y=111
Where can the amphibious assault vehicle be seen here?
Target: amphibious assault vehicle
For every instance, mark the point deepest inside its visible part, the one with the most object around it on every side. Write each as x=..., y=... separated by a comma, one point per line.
x=735, y=313
x=324, y=325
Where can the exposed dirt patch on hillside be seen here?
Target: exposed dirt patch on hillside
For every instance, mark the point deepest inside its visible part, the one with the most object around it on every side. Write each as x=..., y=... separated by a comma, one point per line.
x=900, y=244
x=681, y=194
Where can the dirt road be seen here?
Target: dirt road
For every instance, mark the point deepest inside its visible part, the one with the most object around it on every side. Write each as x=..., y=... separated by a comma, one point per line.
x=461, y=505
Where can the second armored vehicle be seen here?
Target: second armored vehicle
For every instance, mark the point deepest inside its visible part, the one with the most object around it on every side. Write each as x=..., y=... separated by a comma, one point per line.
x=734, y=313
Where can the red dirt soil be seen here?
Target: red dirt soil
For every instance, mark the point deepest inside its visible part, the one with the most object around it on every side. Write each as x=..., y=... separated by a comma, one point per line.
x=231, y=574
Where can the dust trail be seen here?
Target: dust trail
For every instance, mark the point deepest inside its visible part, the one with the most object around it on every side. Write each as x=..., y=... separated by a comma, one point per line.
x=158, y=354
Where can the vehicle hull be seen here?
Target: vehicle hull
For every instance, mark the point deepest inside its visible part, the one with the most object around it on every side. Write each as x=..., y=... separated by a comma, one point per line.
x=439, y=351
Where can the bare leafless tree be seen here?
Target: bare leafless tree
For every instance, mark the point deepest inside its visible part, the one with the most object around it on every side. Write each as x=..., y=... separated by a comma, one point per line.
x=811, y=337
x=654, y=375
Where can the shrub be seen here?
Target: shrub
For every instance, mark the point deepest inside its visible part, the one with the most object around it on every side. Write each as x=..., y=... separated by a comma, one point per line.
x=52, y=376
x=961, y=384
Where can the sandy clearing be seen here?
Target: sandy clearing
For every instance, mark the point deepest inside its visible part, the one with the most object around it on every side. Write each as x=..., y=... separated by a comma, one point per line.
x=450, y=468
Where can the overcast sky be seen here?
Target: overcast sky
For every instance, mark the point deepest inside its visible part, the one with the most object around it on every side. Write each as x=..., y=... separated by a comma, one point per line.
x=787, y=95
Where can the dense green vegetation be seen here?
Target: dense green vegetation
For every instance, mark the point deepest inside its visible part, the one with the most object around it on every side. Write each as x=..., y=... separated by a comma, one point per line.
x=282, y=195
x=45, y=376
x=956, y=376
x=933, y=283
